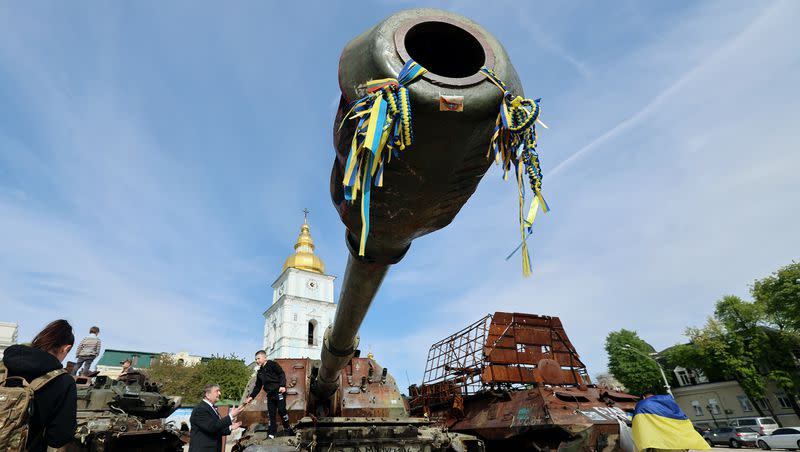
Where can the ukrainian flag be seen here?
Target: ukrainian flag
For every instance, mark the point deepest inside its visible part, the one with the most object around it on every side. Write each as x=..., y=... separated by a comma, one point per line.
x=659, y=423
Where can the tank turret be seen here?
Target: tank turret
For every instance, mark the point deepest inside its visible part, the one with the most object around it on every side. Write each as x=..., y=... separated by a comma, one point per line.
x=126, y=414
x=132, y=393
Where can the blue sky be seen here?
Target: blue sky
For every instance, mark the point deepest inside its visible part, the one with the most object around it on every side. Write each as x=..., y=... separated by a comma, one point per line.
x=155, y=159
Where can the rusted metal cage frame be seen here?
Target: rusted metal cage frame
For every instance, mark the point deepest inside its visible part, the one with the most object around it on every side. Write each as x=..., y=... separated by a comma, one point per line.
x=458, y=365
x=560, y=371
x=445, y=365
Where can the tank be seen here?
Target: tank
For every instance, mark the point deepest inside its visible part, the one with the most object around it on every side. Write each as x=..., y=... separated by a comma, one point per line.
x=371, y=414
x=516, y=381
x=126, y=414
x=425, y=185
x=422, y=178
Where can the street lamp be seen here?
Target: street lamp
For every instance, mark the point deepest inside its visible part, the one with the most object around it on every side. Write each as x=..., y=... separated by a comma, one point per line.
x=711, y=412
x=663, y=375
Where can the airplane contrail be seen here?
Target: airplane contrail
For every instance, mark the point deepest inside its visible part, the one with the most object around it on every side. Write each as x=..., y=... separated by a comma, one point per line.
x=658, y=100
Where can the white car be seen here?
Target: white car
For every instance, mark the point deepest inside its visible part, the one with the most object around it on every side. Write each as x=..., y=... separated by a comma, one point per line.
x=782, y=438
x=763, y=425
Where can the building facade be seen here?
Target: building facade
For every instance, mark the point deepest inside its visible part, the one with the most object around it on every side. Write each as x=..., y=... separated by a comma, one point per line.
x=714, y=404
x=110, y=363
x=302, y=304
x=8, y=335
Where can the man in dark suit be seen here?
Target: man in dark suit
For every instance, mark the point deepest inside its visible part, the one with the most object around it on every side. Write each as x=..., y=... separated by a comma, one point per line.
x=207, y=427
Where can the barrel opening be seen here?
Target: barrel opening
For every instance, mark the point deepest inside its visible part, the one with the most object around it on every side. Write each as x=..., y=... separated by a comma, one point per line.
x=445, y=49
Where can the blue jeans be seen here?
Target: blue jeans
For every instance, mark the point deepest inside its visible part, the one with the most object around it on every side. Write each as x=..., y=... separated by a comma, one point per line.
x=86, y=361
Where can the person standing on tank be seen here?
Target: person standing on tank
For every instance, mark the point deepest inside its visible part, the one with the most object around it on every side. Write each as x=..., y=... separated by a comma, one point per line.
x=88, y=350
x=272, y=380
x=55, y=405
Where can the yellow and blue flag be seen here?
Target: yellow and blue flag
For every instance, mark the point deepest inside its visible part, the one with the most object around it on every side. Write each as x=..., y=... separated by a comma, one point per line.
x=659, y=423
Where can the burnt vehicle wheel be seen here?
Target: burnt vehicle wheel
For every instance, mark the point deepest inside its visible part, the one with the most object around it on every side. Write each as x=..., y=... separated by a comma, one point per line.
x=763, y=445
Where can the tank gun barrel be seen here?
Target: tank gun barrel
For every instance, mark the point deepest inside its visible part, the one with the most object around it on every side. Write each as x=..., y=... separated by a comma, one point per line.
x=422, y=185
x=361, y=282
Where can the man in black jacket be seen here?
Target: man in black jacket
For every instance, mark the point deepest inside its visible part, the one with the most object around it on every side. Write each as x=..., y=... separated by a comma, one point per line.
x=208, y=427
x=55, y=405
x=272, y=379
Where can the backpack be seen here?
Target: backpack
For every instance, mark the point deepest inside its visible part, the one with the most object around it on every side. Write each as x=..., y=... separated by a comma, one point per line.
x=16, y=407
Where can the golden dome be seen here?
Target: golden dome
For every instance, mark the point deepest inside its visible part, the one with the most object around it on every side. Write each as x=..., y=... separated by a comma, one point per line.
x=304, y=257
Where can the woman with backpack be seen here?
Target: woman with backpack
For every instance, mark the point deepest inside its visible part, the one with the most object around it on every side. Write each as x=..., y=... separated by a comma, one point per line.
x=53, y=419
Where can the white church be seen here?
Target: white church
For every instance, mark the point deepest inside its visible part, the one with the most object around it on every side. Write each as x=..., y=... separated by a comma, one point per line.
x=302, y=304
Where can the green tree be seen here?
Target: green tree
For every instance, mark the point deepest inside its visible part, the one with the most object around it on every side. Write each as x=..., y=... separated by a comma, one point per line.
x=767, y=329
x=778, y=296
x=740, y=342
x=629, y=364
x=690, y=356
x=176, y=378
x=738, y=316
x=753, y=342
x=779, y=363
x=230, y=373
x=729, y=355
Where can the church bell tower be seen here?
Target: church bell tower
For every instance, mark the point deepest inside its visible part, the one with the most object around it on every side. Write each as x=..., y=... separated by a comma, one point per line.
x=302, y=303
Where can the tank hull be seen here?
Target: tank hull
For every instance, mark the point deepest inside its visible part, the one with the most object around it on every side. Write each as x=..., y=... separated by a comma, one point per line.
x=124, y=415
x=516, y=382
x=367, y=413
x=110, y=432
x=363, y=434
x=536, y=419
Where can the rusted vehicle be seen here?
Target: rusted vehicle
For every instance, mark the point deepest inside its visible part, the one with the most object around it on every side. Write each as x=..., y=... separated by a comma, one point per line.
x=391, y=185
x=516, y=381
x=389, y=192
x=370, y=413
x=126, y=414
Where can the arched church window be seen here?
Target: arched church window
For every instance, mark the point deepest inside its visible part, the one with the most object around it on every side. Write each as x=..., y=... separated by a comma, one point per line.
x=311, y=326
x=274, y=336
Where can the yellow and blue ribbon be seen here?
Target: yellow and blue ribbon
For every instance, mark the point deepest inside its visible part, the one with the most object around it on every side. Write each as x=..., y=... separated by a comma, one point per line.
x=513, y=145
x=383, y=129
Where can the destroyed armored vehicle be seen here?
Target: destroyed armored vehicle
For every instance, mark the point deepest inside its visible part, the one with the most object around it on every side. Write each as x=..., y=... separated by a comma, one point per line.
x=126, y=414
x=516, y=381
x=367, y=412
x=389, y=192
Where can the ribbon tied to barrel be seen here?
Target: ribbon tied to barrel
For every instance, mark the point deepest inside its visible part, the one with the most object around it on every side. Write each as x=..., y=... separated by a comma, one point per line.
x=383, y=130
x=513, y=145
